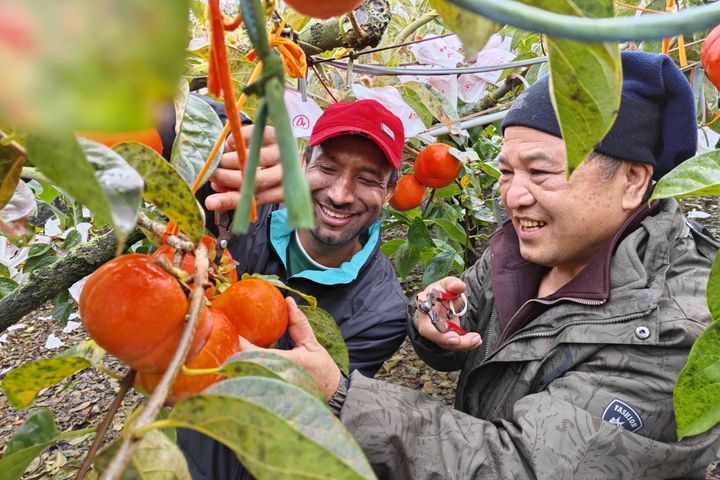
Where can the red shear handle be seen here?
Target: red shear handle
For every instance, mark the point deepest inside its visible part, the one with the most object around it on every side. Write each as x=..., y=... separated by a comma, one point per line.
x=454, y=327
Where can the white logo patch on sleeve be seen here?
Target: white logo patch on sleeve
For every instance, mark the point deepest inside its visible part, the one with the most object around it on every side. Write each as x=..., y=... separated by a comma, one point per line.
x=623, y=415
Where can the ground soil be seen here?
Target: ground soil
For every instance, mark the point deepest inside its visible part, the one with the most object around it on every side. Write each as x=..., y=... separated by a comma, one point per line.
x=82, y=400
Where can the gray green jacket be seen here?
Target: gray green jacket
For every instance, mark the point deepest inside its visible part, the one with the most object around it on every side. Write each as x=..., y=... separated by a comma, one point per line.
x=582, y=390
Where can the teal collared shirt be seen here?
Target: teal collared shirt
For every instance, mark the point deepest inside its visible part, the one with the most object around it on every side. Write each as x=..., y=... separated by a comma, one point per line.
x=347, y=272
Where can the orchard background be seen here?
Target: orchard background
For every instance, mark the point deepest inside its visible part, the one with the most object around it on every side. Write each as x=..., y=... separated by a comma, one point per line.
x=70, y=205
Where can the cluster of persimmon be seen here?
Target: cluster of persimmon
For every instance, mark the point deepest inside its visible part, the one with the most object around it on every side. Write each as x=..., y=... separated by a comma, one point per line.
x=136, y=310
x=435, y=167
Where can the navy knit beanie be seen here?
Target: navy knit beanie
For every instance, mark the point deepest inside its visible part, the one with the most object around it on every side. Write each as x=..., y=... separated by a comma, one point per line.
x=656, y=123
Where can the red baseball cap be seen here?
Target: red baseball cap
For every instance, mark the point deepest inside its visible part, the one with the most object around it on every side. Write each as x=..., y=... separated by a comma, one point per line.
x=362, y=117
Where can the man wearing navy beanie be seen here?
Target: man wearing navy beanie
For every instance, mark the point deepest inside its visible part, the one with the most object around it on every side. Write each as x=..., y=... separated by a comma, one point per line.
x=580, y=315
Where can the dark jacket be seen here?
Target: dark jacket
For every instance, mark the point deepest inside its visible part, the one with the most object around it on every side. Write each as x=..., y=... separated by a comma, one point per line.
x=583, y=389
x=363, y=296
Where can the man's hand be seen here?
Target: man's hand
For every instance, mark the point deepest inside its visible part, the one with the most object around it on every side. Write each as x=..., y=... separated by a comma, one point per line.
x=449, y=340
x=308, y=353
x=227, y=178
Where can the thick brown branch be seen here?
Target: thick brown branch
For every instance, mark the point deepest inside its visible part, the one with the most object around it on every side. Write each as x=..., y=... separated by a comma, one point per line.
x=372, y=18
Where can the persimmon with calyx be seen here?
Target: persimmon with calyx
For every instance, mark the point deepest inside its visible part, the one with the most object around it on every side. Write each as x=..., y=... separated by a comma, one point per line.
x=149, y=137
x=436, y=167
x=409, y=193
x=136, y=311
x=323, y=8
x=226, y=268
x=256, y=308
x=221, y=344
x=710, y=56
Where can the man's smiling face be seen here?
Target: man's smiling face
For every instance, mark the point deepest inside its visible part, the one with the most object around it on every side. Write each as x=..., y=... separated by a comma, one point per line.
x=560, y=222
x=348, y=178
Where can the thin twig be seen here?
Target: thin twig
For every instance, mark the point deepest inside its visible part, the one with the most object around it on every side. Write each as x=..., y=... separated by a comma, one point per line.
x=125, y=385
x=158, y=229
x=359, y=32
x=428, y=202
x=130, y=442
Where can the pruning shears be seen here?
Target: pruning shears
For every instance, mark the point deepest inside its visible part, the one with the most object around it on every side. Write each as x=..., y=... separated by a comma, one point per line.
x=444, y=298
x=222, y=222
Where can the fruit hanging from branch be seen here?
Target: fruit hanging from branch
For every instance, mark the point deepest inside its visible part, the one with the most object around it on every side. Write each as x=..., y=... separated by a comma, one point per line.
x=220, y=345
x=323, y=9
x=409, y=193
x=710, y=56
x=149, y=137
x=436, y=167
x=136, y=311
x=256, y=308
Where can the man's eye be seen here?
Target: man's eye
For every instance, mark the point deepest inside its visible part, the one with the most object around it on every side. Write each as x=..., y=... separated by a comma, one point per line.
x=536, y=173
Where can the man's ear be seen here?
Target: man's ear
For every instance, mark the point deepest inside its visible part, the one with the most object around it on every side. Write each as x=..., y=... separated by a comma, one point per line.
x=390, y=192
x=637, y=181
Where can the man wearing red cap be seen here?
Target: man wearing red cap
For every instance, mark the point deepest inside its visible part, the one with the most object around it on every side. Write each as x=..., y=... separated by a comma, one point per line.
x=351, y=165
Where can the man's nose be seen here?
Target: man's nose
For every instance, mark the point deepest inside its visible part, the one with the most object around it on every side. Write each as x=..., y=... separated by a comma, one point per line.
x=516, y=194
x=341, y=191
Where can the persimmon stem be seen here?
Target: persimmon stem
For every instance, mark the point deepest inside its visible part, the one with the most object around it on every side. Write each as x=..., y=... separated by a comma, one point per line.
x=158, y=229
x=125, y=450
x=125, y=385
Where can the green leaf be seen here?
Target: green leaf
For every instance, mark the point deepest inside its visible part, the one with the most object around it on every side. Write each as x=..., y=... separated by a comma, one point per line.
x=328, y=335
x=165, y=188
x=37, y=262
x=37, y=432
x=61, y=159
x=7, y=285
x=199, y=128
x=389, y=247
x=406, y=257
x=22, y=384
x=713, y=290
x=266, y=363
x=697, y=392
x=93, y=66
x=585, y=84
x=38, y=250
x=277, y=430
x=438, y=267
x=121, y=184
x=696, y=177
x=473, y=30
x=11, y=163
x=73, y=239
x=453, y=229
x=62, y=307
x=418, y=235
x=157, y=456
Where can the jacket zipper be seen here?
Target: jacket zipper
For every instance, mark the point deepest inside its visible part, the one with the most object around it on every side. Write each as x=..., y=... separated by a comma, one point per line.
x=580, y=301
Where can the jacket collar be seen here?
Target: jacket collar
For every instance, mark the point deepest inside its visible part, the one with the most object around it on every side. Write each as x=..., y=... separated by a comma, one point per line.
x=516, y=281
x=280, y=233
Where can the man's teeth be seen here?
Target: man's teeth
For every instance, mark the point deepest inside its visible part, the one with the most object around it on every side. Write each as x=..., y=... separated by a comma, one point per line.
x=531, y=224
x=332, y=214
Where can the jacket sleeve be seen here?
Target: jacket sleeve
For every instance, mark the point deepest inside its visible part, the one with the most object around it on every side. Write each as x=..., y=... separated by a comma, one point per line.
x=476, y=279
x=406, y=434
